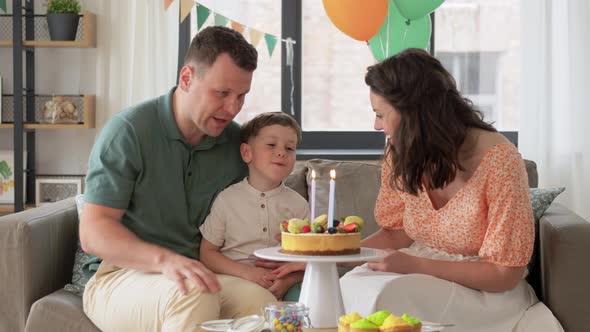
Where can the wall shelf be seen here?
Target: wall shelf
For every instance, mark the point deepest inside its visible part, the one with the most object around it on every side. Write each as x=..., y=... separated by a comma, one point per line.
x=9, y=208
x=85, y=38
x=88, y=121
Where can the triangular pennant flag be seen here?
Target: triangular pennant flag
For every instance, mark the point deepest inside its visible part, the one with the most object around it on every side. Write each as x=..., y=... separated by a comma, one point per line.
x=3, y=5
x=221, y=20
x=202, y=15
x=237, y=26
x=185, y=8
x=271, y=41
x=255, y=36
x=167, y=4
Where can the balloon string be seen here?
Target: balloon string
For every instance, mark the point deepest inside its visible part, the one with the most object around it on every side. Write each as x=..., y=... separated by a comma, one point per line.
x=289, y=49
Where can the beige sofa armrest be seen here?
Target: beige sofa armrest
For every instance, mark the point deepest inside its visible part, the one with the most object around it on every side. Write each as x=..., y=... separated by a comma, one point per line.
x=37, y=249
x=565, y=272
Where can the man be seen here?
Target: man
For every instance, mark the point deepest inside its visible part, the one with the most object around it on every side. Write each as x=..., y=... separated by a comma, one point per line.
x=153, y=174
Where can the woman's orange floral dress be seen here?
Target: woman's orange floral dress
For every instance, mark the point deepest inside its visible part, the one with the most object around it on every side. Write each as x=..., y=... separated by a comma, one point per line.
x=490, y=216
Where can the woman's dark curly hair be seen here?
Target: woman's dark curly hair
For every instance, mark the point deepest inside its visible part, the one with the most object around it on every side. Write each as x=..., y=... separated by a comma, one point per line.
x=434, y=119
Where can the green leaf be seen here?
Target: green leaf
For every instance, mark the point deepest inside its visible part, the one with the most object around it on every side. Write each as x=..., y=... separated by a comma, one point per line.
x=63, y=7
x=5, y=170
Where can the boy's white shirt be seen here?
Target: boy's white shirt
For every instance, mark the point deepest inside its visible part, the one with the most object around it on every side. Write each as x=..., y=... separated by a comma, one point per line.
x=244, y=219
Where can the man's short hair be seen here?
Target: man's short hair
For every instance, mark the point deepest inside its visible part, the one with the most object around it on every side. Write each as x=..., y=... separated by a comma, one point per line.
x=252, y=128
x=215, y=40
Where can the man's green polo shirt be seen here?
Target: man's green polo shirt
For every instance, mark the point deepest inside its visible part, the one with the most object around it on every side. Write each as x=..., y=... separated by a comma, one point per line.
x=142, y=164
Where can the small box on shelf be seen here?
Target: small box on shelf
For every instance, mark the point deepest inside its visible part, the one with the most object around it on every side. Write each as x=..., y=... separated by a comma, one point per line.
x=84, y=107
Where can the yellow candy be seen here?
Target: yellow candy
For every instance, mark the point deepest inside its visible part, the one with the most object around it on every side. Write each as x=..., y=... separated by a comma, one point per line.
x=290, y=327
x=275, y=321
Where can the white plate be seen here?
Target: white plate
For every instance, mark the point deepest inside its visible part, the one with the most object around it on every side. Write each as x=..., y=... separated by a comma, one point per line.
x=220, y=325
x=433, y=327
x=275, y=254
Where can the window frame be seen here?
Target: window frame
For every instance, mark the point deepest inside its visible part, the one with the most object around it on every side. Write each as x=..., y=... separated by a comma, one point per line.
x=338, y=145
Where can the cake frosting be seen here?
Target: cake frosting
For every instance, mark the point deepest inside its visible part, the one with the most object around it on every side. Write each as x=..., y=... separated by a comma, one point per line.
x=300, y=237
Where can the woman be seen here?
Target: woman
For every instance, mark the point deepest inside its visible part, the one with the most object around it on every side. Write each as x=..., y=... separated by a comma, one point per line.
x=453, y=208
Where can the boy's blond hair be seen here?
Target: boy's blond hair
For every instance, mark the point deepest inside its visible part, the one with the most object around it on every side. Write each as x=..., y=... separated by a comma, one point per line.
x=252, y=128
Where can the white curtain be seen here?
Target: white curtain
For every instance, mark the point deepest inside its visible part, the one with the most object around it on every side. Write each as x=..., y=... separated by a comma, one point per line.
x=136, y=54
x=555, y=116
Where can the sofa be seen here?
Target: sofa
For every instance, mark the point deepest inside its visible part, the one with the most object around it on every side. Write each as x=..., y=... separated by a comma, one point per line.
x=37, y=249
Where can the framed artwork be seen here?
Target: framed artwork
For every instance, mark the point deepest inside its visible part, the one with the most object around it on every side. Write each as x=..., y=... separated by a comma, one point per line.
x=7, y=176
x=49, y=190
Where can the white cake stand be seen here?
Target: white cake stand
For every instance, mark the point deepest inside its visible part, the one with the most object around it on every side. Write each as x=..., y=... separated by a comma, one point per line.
x=320, y=291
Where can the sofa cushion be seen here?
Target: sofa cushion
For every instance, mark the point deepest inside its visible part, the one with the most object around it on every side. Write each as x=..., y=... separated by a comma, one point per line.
x=357, y=186
x=296, y=179
x=531, y=171
x=59, y=311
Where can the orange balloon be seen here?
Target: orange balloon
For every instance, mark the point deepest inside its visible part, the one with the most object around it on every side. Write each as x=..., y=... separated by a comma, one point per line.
x=360, y=20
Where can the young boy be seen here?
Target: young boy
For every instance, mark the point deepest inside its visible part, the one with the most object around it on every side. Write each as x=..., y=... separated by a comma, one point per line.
x=246, y=216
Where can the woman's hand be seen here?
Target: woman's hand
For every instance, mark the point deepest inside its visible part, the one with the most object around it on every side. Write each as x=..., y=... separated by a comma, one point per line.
x=395, y=261
x=286, y=269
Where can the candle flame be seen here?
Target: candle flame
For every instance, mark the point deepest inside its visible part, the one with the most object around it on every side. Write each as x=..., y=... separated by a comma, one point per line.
x=313, y=174
x=333, y=174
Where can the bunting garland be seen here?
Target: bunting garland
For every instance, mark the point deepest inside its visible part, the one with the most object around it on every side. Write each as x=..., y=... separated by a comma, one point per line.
x=3, y=5
x=203, y=13
x=220, y=20
x=185, y=8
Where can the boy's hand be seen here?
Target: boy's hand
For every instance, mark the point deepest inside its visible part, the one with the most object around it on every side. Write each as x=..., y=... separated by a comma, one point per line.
x=280, y=287
x=264, y=263
x=286, y=269
x=261, y=276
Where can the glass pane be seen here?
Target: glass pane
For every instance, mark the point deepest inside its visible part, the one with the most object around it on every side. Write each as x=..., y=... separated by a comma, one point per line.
x=264, y=16
x=478, y=41
x=335, y=97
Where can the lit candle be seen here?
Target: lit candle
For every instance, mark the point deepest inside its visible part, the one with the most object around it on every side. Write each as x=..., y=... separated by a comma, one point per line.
x=312, y=195
x=331, y=199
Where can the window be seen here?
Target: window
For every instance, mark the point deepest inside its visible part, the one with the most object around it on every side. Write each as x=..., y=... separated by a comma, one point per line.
x=479, y=43
x=335, y=96
x=263, y=15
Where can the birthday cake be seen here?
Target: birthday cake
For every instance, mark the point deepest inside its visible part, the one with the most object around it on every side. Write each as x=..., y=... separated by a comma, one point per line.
x=300, y=237
x=380, y=321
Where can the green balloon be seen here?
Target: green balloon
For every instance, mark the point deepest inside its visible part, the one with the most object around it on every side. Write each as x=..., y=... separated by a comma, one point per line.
x=398, y=33
x=414, y=9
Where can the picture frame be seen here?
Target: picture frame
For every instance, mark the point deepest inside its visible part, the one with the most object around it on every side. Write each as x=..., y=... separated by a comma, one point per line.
x=50, y=190
x=0, y=99
x=7, y=176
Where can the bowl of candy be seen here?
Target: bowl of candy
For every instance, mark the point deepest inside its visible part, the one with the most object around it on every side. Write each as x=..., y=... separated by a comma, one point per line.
x=286, y=316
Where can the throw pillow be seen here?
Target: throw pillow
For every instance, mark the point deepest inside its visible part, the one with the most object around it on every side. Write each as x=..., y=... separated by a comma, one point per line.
x=540, y=201
x=79, y=278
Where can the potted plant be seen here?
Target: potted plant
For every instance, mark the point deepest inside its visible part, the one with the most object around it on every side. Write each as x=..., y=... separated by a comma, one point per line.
x=63, y=18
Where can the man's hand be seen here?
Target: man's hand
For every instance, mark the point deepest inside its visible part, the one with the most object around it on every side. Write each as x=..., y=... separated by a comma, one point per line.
x=260, y=276
x=178, y=268
x=395, y=261
x=287, y=268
